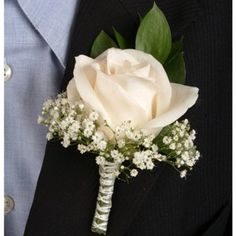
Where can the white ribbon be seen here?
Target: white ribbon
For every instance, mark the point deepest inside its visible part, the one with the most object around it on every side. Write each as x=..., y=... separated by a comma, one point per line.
x=104, y=199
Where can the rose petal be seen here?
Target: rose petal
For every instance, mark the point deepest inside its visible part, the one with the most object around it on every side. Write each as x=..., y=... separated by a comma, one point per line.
x=140, y=90
x=88, y=66
x=143, y=72
x=72, y=92
x=159, y=76
x=82, y=61
x=119, y=105
x=183, y=97
x=116, y=59
x=85, y=76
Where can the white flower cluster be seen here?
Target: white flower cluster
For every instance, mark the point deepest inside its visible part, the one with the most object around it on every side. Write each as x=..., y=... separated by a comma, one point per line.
x=178, y=145
x=144, y=159
x=129, y=148
x=72, y=124
x=125, y=131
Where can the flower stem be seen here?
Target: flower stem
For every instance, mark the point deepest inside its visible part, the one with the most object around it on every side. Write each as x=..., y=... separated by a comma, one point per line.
x=104, y=199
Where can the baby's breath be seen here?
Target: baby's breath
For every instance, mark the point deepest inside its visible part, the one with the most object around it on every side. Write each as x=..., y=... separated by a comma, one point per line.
x=176, y=141
x=130, y=148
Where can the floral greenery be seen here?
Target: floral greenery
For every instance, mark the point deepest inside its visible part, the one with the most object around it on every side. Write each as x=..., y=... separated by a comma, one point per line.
x=131, y=149
x=122, y=152
x=154, y=37
x=75, y=124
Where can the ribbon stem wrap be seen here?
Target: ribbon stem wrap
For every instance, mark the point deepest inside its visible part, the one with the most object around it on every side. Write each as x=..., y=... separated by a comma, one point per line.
x=104, y=200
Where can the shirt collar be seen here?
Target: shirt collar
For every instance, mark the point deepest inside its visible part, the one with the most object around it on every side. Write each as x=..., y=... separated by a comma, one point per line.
x=53, y=20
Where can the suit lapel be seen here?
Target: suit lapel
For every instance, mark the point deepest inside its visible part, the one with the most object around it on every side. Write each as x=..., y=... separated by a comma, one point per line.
x=94, y=16
x=127, y=198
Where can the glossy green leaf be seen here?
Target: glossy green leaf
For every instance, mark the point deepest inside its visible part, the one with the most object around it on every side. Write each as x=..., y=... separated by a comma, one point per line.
x=153, y=35
x=175, y=69
x=174, y=65
x=176, y=48
x=102, y=42
x=122, y=42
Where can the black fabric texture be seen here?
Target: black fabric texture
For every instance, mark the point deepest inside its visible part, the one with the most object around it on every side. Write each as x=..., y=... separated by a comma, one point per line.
x=158, y=202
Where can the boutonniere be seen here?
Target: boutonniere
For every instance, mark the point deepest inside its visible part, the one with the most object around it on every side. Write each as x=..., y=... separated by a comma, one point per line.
x=123, y=106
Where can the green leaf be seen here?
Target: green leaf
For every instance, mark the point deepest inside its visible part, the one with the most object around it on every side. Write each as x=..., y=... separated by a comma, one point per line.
x=175, y=69
x=164, y=132
x=174, y=65
x=122, y=42
x=176, y=48
x=102, y=42
x=153, y=35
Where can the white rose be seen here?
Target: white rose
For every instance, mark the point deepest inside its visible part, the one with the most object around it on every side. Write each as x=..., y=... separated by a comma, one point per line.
x=124, y=85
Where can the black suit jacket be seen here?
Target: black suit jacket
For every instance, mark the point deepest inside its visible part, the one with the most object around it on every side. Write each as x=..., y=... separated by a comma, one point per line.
x=157, y=202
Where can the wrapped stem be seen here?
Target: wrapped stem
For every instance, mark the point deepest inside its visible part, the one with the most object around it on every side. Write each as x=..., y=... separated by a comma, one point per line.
x=104, y=200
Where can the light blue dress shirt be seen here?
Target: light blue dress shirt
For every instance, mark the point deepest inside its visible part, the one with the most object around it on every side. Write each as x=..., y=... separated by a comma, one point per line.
x=36, y=41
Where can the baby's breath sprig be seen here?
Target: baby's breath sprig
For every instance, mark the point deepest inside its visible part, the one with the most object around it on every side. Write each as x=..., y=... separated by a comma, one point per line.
x=176, y=142
x=130, y=149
